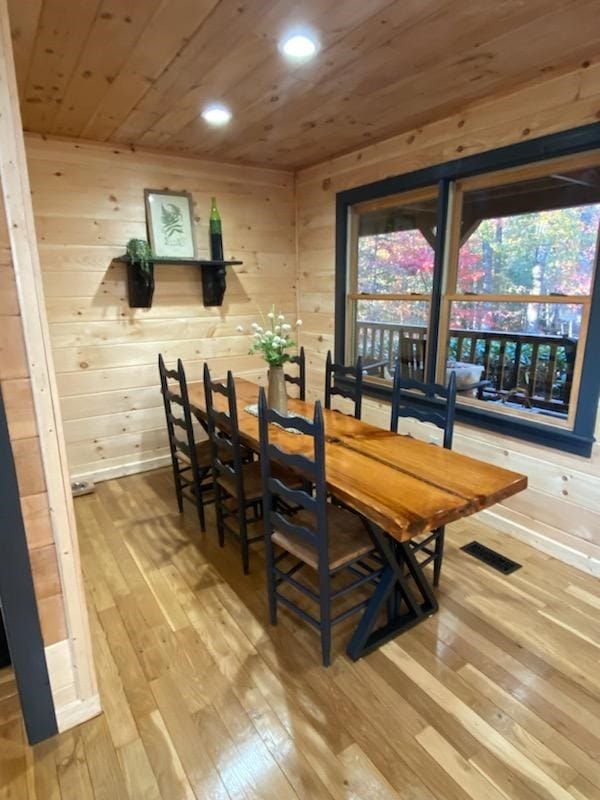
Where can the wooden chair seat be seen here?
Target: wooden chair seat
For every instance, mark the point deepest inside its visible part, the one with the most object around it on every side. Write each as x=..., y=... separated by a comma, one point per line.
x=253, y=488
x=252, y=482
x=203, y=454
x=348, y=538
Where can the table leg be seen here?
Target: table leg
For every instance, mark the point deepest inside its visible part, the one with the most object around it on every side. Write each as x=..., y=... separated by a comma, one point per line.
x=393, y=591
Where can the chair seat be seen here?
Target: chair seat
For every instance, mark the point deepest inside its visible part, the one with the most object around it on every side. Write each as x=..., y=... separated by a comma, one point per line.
x=253, y=489
x=348, y=538
x=203, y=454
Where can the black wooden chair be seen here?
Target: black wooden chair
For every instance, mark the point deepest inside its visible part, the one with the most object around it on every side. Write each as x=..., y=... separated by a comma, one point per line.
x=237, y=482
x=298, y=380
x=191, y=460
x=426, y=402
x=352, y=391
x=317, y=535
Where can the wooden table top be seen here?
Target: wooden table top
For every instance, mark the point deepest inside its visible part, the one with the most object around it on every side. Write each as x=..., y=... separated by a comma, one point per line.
x=404, y=485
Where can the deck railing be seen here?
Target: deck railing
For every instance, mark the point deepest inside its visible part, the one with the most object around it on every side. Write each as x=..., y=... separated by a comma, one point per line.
x=528, y=369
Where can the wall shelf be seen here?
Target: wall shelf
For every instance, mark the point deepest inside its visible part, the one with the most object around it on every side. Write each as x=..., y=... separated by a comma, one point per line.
x=214, y=274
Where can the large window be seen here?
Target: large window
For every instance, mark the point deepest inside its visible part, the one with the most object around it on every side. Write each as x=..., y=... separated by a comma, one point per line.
x=490, y=275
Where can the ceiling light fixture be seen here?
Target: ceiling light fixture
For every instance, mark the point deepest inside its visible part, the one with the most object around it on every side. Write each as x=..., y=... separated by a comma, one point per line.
x=216, y=114
x=298, y=47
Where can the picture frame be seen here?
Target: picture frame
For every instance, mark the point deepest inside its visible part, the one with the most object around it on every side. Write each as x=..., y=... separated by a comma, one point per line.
x=170, y=221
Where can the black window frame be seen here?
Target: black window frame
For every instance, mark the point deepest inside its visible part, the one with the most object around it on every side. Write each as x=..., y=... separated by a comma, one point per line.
x=580, y=439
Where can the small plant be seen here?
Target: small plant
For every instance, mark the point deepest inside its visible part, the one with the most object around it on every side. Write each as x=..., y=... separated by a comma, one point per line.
x=272, y=338
x=140, y=255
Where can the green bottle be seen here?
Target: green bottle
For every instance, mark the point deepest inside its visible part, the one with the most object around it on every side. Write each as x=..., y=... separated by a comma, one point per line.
x=216, y=237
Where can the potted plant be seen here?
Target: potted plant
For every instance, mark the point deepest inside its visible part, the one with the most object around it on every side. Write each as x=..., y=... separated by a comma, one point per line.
x=140, y=273
x=271, y=340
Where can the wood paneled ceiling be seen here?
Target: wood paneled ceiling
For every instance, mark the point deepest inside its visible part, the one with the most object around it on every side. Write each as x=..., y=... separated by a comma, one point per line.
x=139, y=71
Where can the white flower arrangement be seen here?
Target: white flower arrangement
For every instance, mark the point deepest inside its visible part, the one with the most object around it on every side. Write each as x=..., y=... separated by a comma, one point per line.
x=273, y=338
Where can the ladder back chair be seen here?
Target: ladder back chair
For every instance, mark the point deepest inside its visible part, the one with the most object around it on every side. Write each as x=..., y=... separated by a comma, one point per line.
x=434, y=403
x=317, y=535
x=412, y=354
x=353, y=391
x=298, y=380
x=191, y=461
x=237, y=482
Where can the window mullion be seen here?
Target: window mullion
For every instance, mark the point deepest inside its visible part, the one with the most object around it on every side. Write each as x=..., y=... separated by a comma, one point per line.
x=438, y=279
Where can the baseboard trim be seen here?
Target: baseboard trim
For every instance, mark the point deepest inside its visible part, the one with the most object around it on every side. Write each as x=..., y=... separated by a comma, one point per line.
x=77, y=712
x=122, y=470
x=552, y=547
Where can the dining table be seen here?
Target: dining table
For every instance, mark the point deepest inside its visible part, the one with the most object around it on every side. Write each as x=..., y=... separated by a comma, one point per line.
x=401, y=486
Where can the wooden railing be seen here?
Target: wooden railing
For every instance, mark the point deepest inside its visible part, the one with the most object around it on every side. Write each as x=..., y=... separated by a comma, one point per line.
x=532, y=370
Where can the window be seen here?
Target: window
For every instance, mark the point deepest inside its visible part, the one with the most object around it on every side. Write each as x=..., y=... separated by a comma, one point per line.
x=489, y=273
x=392, y=281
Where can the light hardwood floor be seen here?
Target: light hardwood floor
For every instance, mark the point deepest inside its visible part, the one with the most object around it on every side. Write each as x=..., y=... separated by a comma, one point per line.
x=497, y=696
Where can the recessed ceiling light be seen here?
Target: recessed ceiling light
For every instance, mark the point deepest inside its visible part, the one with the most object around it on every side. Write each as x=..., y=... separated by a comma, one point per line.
x=299, y=47
x=216, y=114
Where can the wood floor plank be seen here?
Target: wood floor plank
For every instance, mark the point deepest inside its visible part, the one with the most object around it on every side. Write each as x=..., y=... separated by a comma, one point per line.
x=166, y=764
x=364, y=779
x=139, y=776
x=562, y=712
x=72, y=768
x=145, y=640
x=373, y=696
x=282, y=746
x=135, y=685
x=13, y=762
x=105, y=770
x=262, y=769
x=496, y=696
x=460, y=770
x=531, y=722
x=118, y=713
x=45, y=774
x=549, y=761
x=10, y=708
x=200, y=769
x=493, y=741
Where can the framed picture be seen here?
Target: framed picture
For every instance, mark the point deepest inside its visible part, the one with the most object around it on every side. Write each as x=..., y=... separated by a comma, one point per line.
x=170, y=223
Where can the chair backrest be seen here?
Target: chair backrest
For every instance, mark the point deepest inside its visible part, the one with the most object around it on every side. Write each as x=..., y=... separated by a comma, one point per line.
x=412, y=352
x=298, y=380
x=311, y=469
x=426, y=402
x=353, y=391
x=174, y=391
x=223, y=431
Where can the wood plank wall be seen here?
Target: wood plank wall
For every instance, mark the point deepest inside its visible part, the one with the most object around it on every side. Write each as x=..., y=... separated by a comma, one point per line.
x=560, y=513
x=27, y=374
x=15, y=380
x=25, y=442
x=88, y=201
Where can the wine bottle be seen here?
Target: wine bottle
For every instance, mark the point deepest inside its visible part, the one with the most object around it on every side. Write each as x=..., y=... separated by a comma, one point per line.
x=216, y=237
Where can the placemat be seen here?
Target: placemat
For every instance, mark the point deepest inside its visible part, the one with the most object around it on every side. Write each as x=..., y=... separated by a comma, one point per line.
x=253, y=409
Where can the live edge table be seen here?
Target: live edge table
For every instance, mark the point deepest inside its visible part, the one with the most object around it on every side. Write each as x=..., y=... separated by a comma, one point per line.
x=401, y=486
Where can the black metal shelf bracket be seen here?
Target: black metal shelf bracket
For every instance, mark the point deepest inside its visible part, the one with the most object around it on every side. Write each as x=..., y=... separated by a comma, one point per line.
x=214, y=275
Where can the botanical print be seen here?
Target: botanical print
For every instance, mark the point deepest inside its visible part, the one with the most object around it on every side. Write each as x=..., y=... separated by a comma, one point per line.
x=171, y=220
x=170, y=227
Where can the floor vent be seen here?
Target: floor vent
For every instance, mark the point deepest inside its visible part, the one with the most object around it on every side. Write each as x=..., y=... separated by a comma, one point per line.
x=491, y=557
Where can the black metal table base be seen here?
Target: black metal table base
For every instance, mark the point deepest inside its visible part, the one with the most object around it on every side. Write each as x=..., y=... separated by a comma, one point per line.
x=393, y=592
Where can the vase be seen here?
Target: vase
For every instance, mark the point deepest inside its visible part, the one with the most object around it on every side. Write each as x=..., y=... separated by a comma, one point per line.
x=276, y=392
